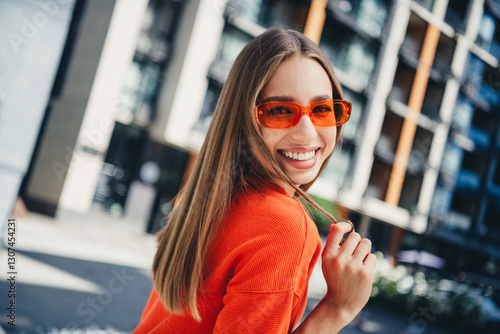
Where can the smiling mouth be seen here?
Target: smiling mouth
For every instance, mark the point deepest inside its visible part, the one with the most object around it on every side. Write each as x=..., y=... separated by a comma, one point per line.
x=302, y=156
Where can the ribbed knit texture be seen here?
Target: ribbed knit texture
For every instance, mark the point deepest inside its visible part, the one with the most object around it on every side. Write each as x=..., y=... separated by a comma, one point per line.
x=256, y=273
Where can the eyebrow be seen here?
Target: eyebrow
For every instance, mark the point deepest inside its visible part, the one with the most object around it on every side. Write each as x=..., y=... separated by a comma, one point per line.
x=287, y=98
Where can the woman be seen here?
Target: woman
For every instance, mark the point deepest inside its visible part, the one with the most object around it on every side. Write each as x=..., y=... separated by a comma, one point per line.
x=238, y=249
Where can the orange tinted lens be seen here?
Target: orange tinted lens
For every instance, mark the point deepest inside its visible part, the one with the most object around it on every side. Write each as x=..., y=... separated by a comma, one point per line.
x=276, y=114
x=324, y=113
x=331, y=113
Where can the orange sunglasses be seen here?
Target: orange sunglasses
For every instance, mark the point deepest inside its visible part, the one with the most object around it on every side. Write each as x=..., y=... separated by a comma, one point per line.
x=281, y=115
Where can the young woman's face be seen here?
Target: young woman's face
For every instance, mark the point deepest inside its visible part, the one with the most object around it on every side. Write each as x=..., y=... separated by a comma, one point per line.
x=302, y=149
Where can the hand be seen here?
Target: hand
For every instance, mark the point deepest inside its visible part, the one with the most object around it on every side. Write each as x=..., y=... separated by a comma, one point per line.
x=348, y=270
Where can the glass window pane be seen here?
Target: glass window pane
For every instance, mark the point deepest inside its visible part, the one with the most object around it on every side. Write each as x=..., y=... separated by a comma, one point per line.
x=351, y=127
x=462, y=116
x=369, y=15
x=348, y=52
x=426, y=4
x=339, y=166
x=451, y=163
x=285, y=13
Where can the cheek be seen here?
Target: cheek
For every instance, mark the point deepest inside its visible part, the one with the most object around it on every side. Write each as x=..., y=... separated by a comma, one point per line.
x=329, y=136
x=271, y=137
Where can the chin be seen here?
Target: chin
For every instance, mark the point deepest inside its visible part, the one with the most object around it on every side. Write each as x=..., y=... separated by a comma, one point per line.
x=303, y=179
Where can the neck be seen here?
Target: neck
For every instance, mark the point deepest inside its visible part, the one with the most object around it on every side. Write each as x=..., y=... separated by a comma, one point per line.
x=288, y=188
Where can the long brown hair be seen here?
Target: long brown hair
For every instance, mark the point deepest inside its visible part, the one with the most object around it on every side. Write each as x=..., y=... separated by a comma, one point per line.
x=226, y=165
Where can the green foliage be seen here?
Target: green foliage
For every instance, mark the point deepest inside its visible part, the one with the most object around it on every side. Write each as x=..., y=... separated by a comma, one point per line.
x=321, y=221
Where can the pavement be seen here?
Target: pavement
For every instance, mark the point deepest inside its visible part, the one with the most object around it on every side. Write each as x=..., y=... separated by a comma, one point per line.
x=91, y=274
x=87, y=272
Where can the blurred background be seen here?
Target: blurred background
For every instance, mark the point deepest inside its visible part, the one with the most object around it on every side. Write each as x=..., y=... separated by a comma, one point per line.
x=104, y=105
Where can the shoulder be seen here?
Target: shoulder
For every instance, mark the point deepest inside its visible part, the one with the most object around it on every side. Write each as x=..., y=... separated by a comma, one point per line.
x=270, y=211
x=265, y=238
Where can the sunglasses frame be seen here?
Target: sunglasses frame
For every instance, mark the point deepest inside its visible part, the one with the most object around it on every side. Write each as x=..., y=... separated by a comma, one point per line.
x=306, y=110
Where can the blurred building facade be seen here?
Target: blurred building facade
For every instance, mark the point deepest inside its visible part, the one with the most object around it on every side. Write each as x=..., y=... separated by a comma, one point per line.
x=419, y=156
x=33, y=39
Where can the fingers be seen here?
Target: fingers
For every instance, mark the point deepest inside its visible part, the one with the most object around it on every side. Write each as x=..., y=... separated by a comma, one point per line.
x=336, y=234
x=350, y=243
x=362, y=250
x=370, y=262
x=354, y=246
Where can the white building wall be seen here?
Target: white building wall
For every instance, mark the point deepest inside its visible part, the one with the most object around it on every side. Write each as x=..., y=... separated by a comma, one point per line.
x=185, y=86
x=33, y=36
x=100, y=114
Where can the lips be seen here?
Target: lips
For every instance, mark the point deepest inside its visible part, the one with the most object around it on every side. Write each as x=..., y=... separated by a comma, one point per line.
x=300, y=158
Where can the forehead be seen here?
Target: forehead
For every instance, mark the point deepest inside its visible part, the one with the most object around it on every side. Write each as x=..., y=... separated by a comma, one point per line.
x=301, y=78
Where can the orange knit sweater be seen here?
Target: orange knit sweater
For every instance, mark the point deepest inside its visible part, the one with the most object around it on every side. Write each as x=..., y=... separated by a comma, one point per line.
x=256, y=274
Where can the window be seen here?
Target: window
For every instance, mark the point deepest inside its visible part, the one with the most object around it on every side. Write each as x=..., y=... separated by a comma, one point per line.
x=482, y=82
x=348, y=51
x=420, y=150
x=463, y=208
x=432, y=99
x=415, y=34
x=157, y=31
x=491, y=228
x=208, y=108
x=285, y=13
x=350, y=128
x=146, y=72
x=369, y=15
x=451, y=163
x=339, y=166
x=139, y=91
x=480, y=138
x=427, y=4
x=379, y=179
x=232, y=42
x=486, y=31
x=468, y=181
x=488, y=36
x=455, y=14
x=462, y=116
x=403, y=81
x=410, y=191
x=389, y=136
x=441, y=201
x=444, y=54
x=484, y=120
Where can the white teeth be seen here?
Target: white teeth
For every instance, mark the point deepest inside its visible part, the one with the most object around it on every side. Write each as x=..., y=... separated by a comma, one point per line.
x=299, y=156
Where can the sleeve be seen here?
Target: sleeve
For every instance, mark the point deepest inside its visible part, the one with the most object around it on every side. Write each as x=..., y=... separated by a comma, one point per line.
x=265, y=291
x=250, y=312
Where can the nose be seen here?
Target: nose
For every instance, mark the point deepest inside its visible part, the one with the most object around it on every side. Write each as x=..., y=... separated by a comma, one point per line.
x=305, y=130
